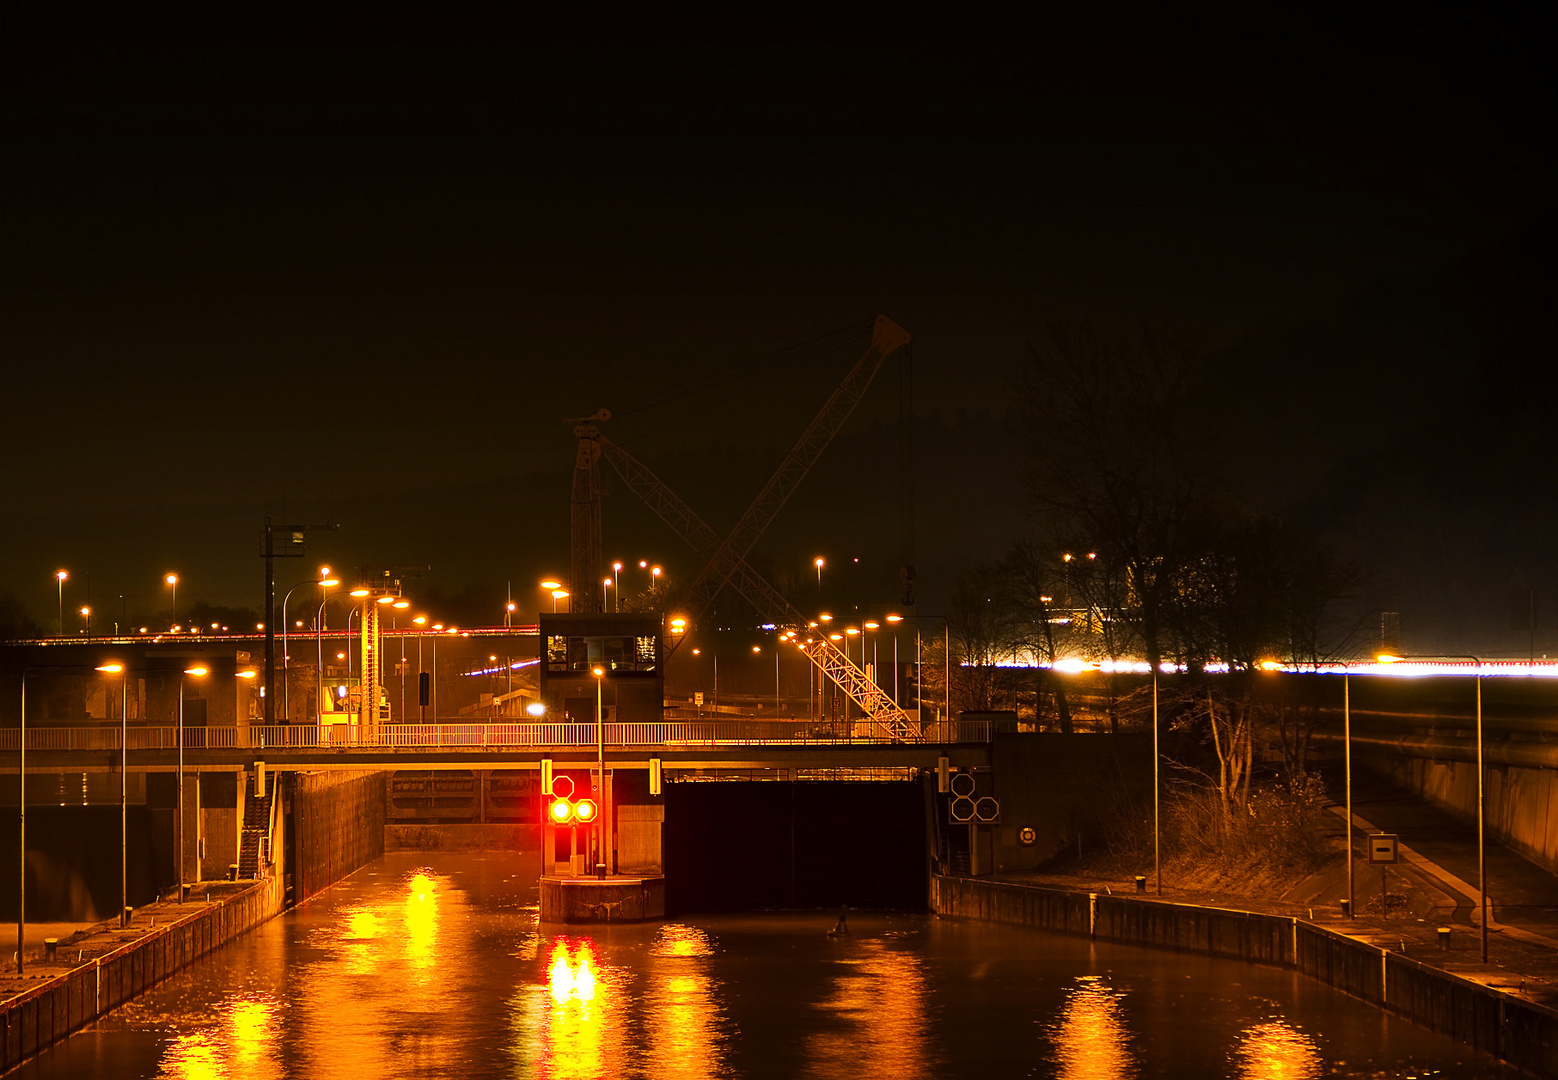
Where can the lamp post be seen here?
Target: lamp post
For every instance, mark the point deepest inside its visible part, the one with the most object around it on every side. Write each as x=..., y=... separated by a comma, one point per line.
x=946, y=664
x=21, y=831
x=178, y=846
x=817, y=562
x=616, y=583
x=324, y=581
x=600, y=766
x=1482, y=850
x=60, y=576
x=172, y=581
x=124, y=768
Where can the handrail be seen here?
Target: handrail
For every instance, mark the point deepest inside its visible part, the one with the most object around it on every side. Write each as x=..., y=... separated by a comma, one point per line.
x=469, y=736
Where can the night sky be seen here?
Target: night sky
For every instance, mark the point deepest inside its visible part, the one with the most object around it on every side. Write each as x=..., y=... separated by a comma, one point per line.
x=371, y=288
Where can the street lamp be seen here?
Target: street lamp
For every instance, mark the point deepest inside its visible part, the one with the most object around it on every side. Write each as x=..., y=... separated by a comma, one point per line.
x=60, y=576
x=172, y=581
x=817, y=562
x=86, y=613
x=124, y=768
x=605, y=594
x=198, y=672
x=946, y=664
x=1482, y=851
x=616, y=574
x=324, y=581
x=600, y=765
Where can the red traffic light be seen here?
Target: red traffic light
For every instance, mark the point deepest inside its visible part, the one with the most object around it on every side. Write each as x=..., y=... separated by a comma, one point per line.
x=572, y=812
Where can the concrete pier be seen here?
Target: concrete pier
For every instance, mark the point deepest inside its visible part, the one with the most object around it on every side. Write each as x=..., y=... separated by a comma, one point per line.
x=602, y=900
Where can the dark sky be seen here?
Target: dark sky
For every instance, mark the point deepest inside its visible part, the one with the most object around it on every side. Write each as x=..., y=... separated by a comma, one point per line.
x=369, y=287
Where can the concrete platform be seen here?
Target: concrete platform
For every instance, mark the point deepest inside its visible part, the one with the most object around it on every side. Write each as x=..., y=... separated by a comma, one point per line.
x=602, y=900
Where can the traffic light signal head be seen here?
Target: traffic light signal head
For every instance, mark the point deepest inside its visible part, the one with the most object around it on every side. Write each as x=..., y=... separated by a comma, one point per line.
x=573, y=811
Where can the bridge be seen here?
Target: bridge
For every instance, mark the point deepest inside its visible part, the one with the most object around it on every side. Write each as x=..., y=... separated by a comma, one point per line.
x=678, y=744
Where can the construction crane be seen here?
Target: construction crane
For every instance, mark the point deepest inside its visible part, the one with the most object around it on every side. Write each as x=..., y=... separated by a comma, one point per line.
x=725, y=558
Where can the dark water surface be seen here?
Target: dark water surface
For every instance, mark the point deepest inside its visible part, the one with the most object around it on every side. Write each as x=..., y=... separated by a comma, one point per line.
x=436, y=966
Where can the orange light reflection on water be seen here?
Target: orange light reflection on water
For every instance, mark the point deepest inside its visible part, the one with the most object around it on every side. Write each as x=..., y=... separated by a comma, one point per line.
x=879, y=1001
x=683, y=1014
x=242, y=1044
x=1091, y=1039
x=571, y=1025
x=1275, y=1050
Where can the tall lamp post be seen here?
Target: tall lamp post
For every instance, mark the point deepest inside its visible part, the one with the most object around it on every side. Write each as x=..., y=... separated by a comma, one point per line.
x=124, y=768
x=197, y=672
x=324, y=581
x=946, y=665
x=172, y=582
x=1482, y=850
x=600, y=766
x=60, y=576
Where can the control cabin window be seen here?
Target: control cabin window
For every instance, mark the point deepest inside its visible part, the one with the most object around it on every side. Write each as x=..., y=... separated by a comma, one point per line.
x=621, y=654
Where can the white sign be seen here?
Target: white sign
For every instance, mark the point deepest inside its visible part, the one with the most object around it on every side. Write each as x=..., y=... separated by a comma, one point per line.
x=1382, y=847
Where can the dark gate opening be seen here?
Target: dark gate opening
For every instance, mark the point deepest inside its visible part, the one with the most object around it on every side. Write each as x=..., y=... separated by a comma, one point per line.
x=745, y=846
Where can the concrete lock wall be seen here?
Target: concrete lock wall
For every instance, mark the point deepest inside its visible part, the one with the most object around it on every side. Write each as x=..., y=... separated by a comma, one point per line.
x=1522, y=804
x=47, y=1013
x=1517, y=1031
x=337, y=826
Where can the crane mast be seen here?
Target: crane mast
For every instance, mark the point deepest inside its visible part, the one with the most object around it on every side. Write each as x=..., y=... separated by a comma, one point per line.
x=725, y=558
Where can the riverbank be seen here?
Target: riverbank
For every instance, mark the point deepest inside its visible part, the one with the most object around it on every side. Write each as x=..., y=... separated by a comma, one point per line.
x=1489, y=1018
x=100, y=967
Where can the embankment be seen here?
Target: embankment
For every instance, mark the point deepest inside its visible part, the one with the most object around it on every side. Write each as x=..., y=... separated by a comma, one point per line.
x=1519, y=1032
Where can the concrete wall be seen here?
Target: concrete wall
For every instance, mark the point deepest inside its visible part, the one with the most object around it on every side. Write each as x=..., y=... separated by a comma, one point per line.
x=337, y=826
x=1517, y=1031
x=48, y=1012
x=1067, y=788
x=1522, y=804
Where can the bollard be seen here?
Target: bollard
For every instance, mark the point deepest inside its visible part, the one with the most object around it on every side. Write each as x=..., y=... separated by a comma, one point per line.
x=1444, y=938
x=124, y=916
x=1141, y=884
x=232, y=871
x=183, y=893
x=1346, y=909
x=50, y=946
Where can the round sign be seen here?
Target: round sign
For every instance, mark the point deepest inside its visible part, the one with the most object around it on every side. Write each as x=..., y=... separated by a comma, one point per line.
x=1026, y=836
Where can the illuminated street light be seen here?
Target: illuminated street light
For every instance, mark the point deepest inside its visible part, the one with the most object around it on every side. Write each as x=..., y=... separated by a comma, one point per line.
x=86, y=613
x=1482, y=852
x=172, y=582
x=60, y=576
x=115, y=668
x=324, y=581
x=616, y=575
x=558, y=594
x=817, y=562
x=197, y=672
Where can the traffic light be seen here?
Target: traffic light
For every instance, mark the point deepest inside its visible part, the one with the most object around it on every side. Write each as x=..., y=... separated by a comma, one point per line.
x=564, y=809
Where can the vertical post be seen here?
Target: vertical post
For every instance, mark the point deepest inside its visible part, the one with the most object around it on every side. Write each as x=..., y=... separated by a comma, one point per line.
x=21, y=833
x=178, y=850
x=124, y=768
x=1347, y=768
x=1482, y=849
x=269, y=689
x=1157, y=861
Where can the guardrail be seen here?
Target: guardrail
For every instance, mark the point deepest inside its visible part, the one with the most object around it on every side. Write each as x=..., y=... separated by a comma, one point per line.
x=455, y=736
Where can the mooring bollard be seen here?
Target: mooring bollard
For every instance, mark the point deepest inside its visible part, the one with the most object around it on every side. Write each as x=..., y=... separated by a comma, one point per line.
x=50, y=947
x=124, y=916
x=1444, y=938
x=1346, y=909
x=1141, y=884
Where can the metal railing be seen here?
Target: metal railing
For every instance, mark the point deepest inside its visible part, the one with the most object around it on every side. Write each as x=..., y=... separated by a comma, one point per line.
x=458, y=736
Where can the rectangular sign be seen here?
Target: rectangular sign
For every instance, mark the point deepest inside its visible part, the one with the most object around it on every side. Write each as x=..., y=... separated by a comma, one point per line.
x=1382, y=847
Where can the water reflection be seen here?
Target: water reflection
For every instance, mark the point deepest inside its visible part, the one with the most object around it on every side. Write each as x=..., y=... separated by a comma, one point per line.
x=572, y=1024
x=1275, y=1050
x=439, y=973
x=242, y=1043
x=878, y=1004
x=684, y=1016
x=1091, y=1039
